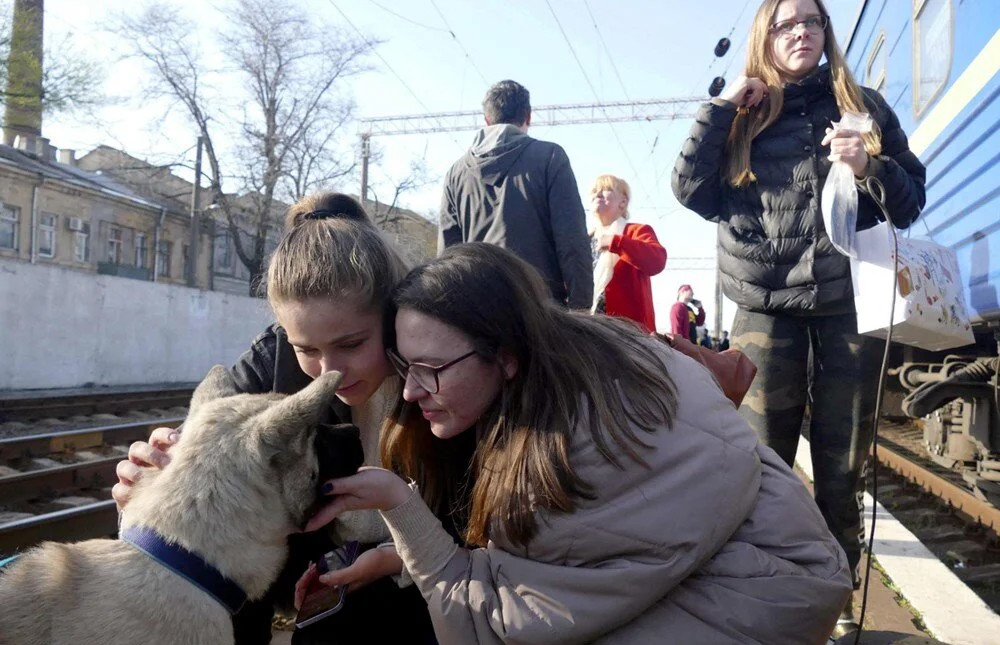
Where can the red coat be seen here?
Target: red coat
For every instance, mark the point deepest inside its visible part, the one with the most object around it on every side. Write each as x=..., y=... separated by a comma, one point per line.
x=683, y=321
x=629, y=294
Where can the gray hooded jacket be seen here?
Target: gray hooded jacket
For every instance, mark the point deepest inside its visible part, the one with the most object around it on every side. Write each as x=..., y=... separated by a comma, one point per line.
x=520, y=193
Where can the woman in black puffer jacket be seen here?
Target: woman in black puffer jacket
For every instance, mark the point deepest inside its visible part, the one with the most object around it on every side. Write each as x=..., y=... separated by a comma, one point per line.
x=755, y=163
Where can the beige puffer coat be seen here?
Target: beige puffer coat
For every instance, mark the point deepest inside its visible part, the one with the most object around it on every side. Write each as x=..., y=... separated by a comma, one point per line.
x=715, y=542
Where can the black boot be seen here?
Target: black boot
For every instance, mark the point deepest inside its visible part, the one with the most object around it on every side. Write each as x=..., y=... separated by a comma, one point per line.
x=847, y=623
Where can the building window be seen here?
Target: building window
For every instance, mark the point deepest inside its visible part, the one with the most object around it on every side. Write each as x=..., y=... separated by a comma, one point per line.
x=932, y=48
x=163, y=259
x=47, y=235
x=81, y=244
x=223, y=254
x=140, y=250
x=9, y=221
x=114, y=244
x=875, y=70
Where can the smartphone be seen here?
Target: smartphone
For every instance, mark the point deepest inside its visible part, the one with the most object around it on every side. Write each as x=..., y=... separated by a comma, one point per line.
x=322, y=600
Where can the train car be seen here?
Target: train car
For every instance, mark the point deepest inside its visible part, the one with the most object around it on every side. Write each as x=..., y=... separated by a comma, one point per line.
x=936, y=62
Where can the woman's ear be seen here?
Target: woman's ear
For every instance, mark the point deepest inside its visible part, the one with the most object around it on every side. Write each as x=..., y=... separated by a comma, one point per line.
x=508, y=363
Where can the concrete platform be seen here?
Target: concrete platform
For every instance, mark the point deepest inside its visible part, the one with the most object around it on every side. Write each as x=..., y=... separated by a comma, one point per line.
x=939, y=604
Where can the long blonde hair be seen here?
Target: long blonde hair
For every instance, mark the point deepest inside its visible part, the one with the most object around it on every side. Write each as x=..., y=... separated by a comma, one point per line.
x=331, y=249
x=750, y=122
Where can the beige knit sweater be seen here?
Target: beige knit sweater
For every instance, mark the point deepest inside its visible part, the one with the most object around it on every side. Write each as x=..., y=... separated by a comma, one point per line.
x=367, y=526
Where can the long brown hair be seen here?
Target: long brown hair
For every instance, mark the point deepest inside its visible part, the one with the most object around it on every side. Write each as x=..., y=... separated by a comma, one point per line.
x=750, y=122
x=575, y=373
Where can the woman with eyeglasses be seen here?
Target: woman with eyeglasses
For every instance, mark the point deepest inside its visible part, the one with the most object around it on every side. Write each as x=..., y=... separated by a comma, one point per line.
x=328, y=282
x=614, y=496
x=756, y=162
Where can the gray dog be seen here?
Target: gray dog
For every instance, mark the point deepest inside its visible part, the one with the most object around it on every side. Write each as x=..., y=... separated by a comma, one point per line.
x=197, y=536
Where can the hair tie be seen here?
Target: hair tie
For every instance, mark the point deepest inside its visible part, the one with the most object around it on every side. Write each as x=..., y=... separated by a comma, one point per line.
x=321, y=214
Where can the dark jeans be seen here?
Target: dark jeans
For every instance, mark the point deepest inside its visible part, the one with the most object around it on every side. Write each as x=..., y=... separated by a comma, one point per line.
x=823, y=361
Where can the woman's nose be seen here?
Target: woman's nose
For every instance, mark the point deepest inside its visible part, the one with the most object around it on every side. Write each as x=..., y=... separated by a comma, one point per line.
x=412, y=392
x=328, y=364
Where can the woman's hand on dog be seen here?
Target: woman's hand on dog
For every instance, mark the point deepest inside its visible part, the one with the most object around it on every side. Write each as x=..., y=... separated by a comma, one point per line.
x=370, y=566
x=375, y=488
x=142, y=454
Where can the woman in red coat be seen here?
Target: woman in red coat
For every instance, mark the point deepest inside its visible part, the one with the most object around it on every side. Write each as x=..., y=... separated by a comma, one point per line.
x=625, y=255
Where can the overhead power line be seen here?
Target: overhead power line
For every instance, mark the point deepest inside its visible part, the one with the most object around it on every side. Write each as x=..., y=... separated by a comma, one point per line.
x=458, y=42
x=607, y=52
x=405, y=19
x=586, y=77
x=389, y=67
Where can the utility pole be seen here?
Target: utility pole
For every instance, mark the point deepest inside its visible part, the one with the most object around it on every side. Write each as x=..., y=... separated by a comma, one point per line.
x=192, y=264
x=366, y=139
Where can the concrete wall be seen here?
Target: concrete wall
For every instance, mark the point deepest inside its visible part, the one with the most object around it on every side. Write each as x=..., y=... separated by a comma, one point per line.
x=66, y=328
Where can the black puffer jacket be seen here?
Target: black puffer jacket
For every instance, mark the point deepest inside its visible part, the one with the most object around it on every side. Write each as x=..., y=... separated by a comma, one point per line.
x=774, y=252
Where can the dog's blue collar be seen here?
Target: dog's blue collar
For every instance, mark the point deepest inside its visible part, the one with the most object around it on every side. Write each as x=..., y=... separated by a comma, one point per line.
x=187, y=565
x=5, y=561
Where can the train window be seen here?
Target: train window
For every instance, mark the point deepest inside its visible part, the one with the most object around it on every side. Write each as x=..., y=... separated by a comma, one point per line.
x=932, y=50
x=875, y=70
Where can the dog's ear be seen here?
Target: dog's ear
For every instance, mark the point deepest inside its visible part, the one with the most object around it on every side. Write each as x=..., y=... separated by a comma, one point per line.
x=304, y=408
x=217, y=384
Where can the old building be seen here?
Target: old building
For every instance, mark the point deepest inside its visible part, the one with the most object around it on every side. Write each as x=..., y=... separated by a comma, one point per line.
x=55, y=212
x=416, y=236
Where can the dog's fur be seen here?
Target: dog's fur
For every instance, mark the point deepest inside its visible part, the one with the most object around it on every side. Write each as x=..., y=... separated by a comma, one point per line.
x=243, y=477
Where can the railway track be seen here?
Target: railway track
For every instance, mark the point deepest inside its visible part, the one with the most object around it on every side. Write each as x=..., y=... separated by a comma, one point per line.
x=937, y=506
x=56, y=486
x=18, y=407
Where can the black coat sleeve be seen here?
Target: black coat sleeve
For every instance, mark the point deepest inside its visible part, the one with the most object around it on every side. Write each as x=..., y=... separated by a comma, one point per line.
x=900, y=171
x=253, y=372
x=569, y=231
x=449, y=224
x=697, y=176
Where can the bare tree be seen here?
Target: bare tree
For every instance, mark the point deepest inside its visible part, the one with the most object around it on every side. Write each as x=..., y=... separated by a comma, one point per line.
x=387, y=215
x=291, y=69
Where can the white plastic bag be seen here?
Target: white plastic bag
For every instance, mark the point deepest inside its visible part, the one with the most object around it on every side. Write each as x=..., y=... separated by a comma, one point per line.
x=839, y=201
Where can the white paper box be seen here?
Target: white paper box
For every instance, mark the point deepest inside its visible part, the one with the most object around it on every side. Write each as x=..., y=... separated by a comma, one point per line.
x=930, y=310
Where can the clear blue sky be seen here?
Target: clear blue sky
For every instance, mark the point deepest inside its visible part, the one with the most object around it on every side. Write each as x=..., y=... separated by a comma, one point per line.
x=654, y=49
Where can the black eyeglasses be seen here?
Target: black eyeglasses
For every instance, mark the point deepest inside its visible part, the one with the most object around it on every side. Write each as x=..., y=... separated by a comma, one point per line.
x=426, y=376
x=813, y=24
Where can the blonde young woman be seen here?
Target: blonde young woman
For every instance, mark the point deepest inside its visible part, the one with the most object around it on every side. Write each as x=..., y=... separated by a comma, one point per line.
x=328, y=283
x=625, y=255
x=614, y=494
x=755, y=163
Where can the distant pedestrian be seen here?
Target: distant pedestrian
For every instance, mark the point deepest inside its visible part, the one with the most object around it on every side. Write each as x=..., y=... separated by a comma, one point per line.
x=724, y=341
x=625, y=255
x=756, y=162
x=704, y=339
x=520, y=193
x=687, y=314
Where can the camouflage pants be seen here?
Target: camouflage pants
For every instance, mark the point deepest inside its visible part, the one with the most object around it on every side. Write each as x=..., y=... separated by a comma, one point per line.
x=822, y=361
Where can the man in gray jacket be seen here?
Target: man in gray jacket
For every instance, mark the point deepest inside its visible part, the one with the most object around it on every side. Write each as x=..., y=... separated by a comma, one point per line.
x=520, y=193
